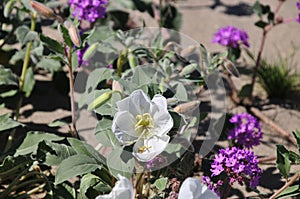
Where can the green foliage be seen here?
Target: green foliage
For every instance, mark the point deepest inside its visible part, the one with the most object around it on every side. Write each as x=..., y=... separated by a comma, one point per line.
x=7, y=123
x=278, y=80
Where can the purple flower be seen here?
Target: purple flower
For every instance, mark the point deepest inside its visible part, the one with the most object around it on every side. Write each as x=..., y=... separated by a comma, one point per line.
x=230, y=37
x=156, y=162
x=298, y=5
x=80, y=54
x=298, y=19
x=173, y=195
x=243, y=169
x=89, y=10
x=247, y=130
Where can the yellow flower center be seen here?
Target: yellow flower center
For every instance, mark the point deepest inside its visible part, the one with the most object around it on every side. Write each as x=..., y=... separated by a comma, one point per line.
x=142, y=149
x=144, y=124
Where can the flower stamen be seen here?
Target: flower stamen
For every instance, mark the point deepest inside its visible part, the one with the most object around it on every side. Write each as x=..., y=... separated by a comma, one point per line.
x=142, y=149
x=144, y=124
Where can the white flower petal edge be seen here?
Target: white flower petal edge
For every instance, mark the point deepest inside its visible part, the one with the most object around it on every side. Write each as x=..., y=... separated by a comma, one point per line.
x=192, y=188
x=122, y=190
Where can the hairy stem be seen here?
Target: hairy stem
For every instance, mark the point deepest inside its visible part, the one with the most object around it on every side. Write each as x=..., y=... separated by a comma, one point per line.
x=262, y=44
x=72, y=99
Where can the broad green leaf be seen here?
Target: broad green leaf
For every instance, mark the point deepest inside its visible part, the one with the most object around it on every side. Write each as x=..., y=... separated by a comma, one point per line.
x=120, y=162
x=7, y=123
x=29, y=82
x=61, y=152
x=90, y=51
x=57, y=123
x=294, y=157
x=66, y=36
x=32, y=139
x=290, y=192
x=52, y=44
x=27, y=5
x=105, y=135
x=245, y=91
x=64, y=191
x=181, y=92
x=50, y=64
x=21, y=33
x=85, y=149
x=88, y=181
x=283, y=162
x=161, y=183
x=75, y=165
x=7, y=79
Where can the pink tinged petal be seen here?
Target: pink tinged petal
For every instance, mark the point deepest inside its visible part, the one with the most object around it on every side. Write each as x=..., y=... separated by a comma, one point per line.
x=194, y=189
x=154, y=146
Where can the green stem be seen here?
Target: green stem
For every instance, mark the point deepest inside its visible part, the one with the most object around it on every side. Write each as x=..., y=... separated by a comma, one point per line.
x=22, y=82
x=72, y=99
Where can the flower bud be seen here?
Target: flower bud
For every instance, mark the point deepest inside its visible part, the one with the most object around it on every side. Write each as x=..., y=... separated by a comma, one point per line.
x=73, y=32
x=230, y=67
x=132, y=59
x=117, y=87
x=186, y=107
x=42, y=9
x=102, y=99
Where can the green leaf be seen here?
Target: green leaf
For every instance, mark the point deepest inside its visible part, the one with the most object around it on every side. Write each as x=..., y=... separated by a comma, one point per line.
x=245, y=91
x=66, y=36
x=161, y=183
x=87, y=181
x=58, y=123
x=289, y=192
x=283, y=162
x=52, y=44
x=90, y=51
x=261, y=24
x=50, y=64
x=7, y=123
x=32, y=139
x=8, y=8
x=257, y=8
x=74, y=166
x=181, y=92
x=294, y=157
x=8, y=79
x=27, y=5
x=85, y=149
x=24, y=34
x=296, y=134
x=120, y=162
x=29, y=82
x=105, y=135
x=64, y=191
x=10, y=164
x=60, y=153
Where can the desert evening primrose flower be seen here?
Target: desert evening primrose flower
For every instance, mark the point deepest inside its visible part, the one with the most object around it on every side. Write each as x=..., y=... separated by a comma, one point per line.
x=230, y=37
x=144, y=123
x=247, y=130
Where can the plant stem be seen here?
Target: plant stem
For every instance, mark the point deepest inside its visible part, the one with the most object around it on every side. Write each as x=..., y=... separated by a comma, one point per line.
x=262, y=44
x=293, y=179
x=22, y=82
x=71, y=83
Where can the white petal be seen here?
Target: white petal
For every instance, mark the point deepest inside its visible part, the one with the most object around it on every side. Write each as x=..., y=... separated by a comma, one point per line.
x=122, y=190
x=192, y=188
x=160, y=101
x=155, y=145
x=139, y=103
x=123, y=126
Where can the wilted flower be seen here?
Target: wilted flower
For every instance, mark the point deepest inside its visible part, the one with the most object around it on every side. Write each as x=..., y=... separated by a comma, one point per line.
x=230, y=37
x=194, y=189
x=89, y=10
x=143, y=123
x=122, y=190
x=247, y=130
x=238, y=165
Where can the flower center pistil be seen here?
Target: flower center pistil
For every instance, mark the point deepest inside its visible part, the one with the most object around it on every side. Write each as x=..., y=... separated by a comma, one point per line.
x=144, y=124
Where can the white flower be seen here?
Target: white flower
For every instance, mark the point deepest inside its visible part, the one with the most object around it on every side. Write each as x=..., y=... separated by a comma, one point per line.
x=122, y=190
x=192, y=188
x=144, y=123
